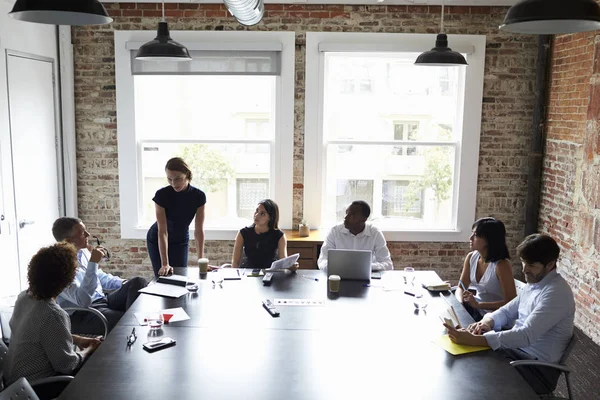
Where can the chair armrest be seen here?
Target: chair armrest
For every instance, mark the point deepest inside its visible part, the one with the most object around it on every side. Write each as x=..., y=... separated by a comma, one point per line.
x=51, y=387
x=93, y=311
x=559, y=367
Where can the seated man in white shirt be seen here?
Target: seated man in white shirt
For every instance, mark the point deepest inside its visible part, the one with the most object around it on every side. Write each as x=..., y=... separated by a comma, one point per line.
x=87, y=289
x=542, y=313
x=356, y=234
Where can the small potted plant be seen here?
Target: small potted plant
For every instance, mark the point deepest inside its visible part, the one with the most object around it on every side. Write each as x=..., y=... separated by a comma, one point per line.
x=303, y=229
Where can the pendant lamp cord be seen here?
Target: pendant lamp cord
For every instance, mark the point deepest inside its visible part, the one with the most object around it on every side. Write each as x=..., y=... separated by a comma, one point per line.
x=163, y=12
x=441, y=23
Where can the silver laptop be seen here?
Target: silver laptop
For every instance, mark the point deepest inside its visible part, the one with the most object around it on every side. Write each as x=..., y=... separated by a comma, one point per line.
x=349, y=264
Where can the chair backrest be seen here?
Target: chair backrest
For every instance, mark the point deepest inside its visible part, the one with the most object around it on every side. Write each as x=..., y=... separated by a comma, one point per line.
x=3, y=351
x=569, y=349
x=20, y=389
x=519, y=286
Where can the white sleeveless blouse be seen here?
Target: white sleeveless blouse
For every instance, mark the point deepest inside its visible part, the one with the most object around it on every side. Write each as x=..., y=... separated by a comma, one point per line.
x=488, y=288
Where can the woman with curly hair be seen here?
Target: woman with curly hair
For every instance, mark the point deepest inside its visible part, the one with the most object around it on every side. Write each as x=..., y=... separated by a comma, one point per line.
x=41, y=343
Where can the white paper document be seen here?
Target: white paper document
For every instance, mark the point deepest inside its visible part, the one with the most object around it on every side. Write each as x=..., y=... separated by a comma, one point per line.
x=178, y=313
x=284, y=263
x=163, y=289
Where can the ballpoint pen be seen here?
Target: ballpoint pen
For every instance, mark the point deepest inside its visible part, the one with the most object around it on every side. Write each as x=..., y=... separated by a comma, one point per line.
x=462, y=285
x=311, y=278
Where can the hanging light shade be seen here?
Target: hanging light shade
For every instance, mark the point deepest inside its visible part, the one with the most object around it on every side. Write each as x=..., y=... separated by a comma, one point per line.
x=61, y=12
x=441, y=55
x=163, y=48
x=246, y=12
x=547, y=17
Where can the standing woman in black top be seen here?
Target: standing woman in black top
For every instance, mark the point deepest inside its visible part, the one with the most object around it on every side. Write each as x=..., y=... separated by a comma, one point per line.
x=262, y=242
x=176, y=205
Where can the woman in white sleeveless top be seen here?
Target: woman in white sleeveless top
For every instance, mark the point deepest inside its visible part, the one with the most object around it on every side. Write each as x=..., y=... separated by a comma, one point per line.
x=487, y=269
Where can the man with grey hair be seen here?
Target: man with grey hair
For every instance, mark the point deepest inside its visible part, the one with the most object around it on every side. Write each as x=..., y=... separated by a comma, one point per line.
x=87, y=289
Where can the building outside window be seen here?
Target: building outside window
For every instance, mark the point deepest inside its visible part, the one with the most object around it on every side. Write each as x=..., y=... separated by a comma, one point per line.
x=228, y=113
x=409, y=148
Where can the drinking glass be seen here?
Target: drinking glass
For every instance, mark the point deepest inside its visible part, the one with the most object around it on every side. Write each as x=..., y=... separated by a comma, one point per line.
x=191, y=285
x=409, y=276
x=420, y=302
x=217, y=278
x=155, y=320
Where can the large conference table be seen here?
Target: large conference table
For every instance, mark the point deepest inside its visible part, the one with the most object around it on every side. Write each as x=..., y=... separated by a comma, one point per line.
x=365, y=342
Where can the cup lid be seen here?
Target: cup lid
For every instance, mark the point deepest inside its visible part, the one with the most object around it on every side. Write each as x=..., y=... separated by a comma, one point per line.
x=334, y=277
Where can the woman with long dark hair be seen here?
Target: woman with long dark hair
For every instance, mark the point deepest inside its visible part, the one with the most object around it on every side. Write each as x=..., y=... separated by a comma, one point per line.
x=487, y=270
x=262, y=242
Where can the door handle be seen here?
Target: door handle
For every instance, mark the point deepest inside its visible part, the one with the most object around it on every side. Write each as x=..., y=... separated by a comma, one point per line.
x=24, y=222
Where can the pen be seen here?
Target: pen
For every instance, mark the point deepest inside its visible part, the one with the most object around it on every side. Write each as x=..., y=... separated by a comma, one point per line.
x=308, y=277
x=462, y=285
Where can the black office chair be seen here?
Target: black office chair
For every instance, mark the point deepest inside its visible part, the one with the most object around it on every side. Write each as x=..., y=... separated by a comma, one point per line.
x=561, y=366
x=46, y=388
x=97, y=313
x=21, y=389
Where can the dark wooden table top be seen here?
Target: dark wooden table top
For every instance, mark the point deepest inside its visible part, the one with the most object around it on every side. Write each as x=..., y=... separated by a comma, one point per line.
x=365, y=342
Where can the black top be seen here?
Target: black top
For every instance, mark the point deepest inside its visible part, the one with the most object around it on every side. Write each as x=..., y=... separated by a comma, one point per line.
x=260, y=248
x=180, y=208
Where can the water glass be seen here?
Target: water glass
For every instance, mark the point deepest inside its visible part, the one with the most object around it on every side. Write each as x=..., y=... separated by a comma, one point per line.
x=420, y=302
x=155, y=320
x=409, y=276
x=191, y=285
x=217, y=278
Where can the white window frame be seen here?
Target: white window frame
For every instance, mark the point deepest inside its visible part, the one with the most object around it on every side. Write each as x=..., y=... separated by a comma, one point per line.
x=128, y=145
x=467, y=160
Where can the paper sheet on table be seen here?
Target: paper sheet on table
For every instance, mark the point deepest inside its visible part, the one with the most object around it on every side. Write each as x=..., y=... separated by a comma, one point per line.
x=163, y=289
x=178, y=313
x=284, y=263
x=455, y=349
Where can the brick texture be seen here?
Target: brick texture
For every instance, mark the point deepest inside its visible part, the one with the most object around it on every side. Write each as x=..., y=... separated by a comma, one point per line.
x=506, y=117
x=571, y=177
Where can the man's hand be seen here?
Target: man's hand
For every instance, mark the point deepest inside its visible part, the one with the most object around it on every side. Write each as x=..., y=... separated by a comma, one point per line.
x=165, y=270
x=469, y=299
x=479, y=328
x=97, y=254
x=462, y=336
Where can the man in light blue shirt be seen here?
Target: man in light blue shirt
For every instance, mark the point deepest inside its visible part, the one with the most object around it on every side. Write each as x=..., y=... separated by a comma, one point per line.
x=542, y=313
x=87, y=289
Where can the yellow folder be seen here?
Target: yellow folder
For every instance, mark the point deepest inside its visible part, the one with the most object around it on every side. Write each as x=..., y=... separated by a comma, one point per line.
x=456, y=349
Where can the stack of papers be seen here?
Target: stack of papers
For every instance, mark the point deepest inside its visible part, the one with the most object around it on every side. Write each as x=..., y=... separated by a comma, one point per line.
x=164, y=289
x=455, y=349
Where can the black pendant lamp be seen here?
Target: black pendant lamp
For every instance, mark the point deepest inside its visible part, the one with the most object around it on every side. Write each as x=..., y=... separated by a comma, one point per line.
x=441, y=55
x=61, y=12
x=163, y=48
x=548, y=17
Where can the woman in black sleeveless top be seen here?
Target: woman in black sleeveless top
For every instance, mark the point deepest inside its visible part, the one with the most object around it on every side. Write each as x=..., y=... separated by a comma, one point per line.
x=262, y=242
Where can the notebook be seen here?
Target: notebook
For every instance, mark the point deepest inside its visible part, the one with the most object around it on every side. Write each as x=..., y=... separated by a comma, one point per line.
x=349, y=264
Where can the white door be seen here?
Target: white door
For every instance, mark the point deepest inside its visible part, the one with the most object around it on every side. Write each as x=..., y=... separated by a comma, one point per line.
x=35, y=169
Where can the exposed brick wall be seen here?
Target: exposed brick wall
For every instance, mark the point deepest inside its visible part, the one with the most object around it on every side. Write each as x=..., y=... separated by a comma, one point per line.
x=506, y=117
x=571, y=178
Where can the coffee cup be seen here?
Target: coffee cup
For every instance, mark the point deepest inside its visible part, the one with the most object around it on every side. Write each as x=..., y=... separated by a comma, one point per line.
x=203, y=265
x=334, y=283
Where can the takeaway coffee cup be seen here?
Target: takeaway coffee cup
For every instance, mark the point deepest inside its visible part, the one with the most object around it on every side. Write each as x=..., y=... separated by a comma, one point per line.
x=334, y=283
x=203, y=265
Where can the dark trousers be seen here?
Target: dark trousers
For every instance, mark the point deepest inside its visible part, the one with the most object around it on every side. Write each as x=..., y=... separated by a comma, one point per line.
x=112, y=306
x=542, y=379
x=178, y=254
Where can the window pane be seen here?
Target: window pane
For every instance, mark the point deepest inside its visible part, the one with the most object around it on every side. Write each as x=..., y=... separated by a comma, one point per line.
x=366, y=93
x=204, y=107
x=349, y=190
x=233, y=176
x=249, y=193
x=404, y=191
